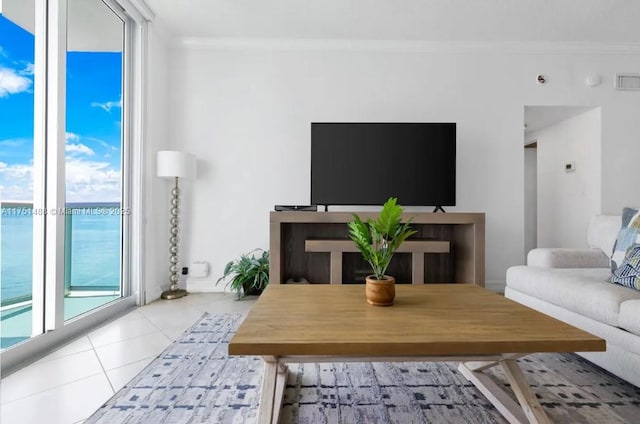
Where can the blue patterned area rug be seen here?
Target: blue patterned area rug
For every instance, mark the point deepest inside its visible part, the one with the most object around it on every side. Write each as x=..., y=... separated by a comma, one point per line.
x=194, y=381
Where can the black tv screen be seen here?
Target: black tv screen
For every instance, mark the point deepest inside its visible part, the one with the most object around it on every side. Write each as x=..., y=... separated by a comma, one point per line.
x=366, y=163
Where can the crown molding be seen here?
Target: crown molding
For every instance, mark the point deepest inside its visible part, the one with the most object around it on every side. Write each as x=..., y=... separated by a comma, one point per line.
x=137, y=9
x=409, y=46
x=163, y=32
x=143, y=8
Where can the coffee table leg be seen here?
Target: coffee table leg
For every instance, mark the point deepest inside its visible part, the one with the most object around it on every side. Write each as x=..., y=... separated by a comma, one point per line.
x=273, y=383
x=530, y=405
x=529, y=409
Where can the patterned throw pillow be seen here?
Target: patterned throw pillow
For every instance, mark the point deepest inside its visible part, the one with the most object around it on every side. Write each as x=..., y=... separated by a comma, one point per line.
x=628, y=273
x=629, y=234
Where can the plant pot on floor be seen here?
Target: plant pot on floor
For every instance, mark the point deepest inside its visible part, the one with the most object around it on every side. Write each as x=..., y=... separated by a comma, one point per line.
x=249, y=274
x=251, y=291
x=380, y=292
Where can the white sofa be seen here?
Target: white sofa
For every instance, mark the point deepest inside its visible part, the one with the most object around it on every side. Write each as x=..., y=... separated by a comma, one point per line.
x=571, y=285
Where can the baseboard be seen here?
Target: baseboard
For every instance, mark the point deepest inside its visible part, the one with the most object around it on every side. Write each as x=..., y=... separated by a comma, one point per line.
x=201, y=285
x=151, y=294
x=495, y=285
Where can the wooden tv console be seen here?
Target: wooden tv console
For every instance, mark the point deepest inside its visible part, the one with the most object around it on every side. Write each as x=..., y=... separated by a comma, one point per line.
x=449, y=247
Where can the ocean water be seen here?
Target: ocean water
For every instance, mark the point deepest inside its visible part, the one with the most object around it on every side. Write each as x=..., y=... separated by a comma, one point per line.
x=95, y=252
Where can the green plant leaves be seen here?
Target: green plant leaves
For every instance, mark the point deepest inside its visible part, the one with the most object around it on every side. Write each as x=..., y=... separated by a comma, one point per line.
x=389, y=217
x=378, y=239
x=248, y=273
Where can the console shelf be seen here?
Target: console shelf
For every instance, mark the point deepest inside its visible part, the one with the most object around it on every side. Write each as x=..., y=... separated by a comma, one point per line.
x=409, y=246
x=448, y=247
x=417, y=248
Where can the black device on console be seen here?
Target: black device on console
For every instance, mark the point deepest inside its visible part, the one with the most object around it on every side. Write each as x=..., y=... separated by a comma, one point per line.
x=288, y=208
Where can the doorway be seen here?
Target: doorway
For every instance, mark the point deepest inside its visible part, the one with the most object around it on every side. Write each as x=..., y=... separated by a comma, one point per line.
x=562, y=174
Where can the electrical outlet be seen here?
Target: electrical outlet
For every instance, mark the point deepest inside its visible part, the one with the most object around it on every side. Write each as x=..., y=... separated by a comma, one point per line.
x=569, y=167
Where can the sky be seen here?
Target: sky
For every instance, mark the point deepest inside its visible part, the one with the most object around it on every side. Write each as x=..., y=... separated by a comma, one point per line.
x=93, y=120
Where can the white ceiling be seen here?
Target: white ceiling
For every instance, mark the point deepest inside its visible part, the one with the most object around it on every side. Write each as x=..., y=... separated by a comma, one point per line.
x=603, y=21
x=538, y=117
x=91, y=25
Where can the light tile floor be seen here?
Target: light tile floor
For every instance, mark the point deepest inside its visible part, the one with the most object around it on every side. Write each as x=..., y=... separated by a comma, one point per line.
x=15, y=322
x=68, y=385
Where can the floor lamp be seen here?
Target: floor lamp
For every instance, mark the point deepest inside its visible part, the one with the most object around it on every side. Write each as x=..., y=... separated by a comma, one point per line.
x=175, y=165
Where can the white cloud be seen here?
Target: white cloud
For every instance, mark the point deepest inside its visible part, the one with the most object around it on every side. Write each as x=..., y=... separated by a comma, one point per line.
x=103, y=144
x=89, y=181
x=69, y=136
x=86, y=181
x=107, y=106
x=16, y=182
x=12, y=142
x=16, y=192
x=28, y=69
x=17, y=171
x=79, y=149
x=74, y=147
x=12, y=83
x=85, y=172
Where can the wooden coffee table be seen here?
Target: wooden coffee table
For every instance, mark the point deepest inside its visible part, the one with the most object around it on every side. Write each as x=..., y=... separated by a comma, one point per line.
x=433, y=322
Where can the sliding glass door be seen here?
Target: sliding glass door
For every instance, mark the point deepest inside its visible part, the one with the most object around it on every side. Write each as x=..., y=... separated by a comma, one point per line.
x=17, y=81
x=65, y=138
x=94, y=144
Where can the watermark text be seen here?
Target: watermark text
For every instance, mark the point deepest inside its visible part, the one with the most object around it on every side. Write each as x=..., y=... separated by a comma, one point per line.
x=92, y=210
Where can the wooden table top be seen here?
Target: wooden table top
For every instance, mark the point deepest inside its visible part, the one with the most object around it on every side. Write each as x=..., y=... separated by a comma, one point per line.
x=429, y=319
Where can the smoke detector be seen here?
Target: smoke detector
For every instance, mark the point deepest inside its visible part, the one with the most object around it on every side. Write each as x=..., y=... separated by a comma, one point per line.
x=592, y=80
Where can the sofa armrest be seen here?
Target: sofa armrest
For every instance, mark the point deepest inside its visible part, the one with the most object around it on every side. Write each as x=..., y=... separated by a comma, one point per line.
x=567, y=258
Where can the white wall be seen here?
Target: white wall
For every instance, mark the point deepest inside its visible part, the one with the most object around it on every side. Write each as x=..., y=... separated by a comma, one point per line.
x=530, y=200
x=245, y=112
x=156, y=244
x=566, y=200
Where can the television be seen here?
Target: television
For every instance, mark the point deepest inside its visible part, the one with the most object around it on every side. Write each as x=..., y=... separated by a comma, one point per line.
x=366, y=163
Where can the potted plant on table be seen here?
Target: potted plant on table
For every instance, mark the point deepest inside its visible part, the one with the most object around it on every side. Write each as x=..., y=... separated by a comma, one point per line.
x=378, y=240
x=250, y=274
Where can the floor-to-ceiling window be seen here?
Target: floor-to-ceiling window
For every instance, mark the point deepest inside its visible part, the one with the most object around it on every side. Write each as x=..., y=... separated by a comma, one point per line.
x=66, y=132
x=93, y=158
x=17, y=76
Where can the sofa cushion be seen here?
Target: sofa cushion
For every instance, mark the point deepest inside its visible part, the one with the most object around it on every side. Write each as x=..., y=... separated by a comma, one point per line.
x=583, y=291
x=602, y=232
x=627, y=236
x=556, y=257
x=630, y=316
x=628, y=273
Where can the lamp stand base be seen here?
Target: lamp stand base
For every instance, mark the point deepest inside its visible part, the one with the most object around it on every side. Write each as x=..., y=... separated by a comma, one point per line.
x=173, y=294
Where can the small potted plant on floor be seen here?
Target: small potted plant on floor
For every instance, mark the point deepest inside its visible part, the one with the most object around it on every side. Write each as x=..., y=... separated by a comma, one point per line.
x=249, y=274
x=378, y=240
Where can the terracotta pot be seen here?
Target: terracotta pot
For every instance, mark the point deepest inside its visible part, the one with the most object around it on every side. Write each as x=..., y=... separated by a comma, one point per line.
x=380, y=292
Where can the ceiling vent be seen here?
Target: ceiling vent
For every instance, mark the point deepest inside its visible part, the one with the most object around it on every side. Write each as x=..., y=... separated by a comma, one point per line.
x=628, y=82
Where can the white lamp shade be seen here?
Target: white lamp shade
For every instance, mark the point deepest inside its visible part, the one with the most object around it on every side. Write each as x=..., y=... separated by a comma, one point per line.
x=176, y=164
